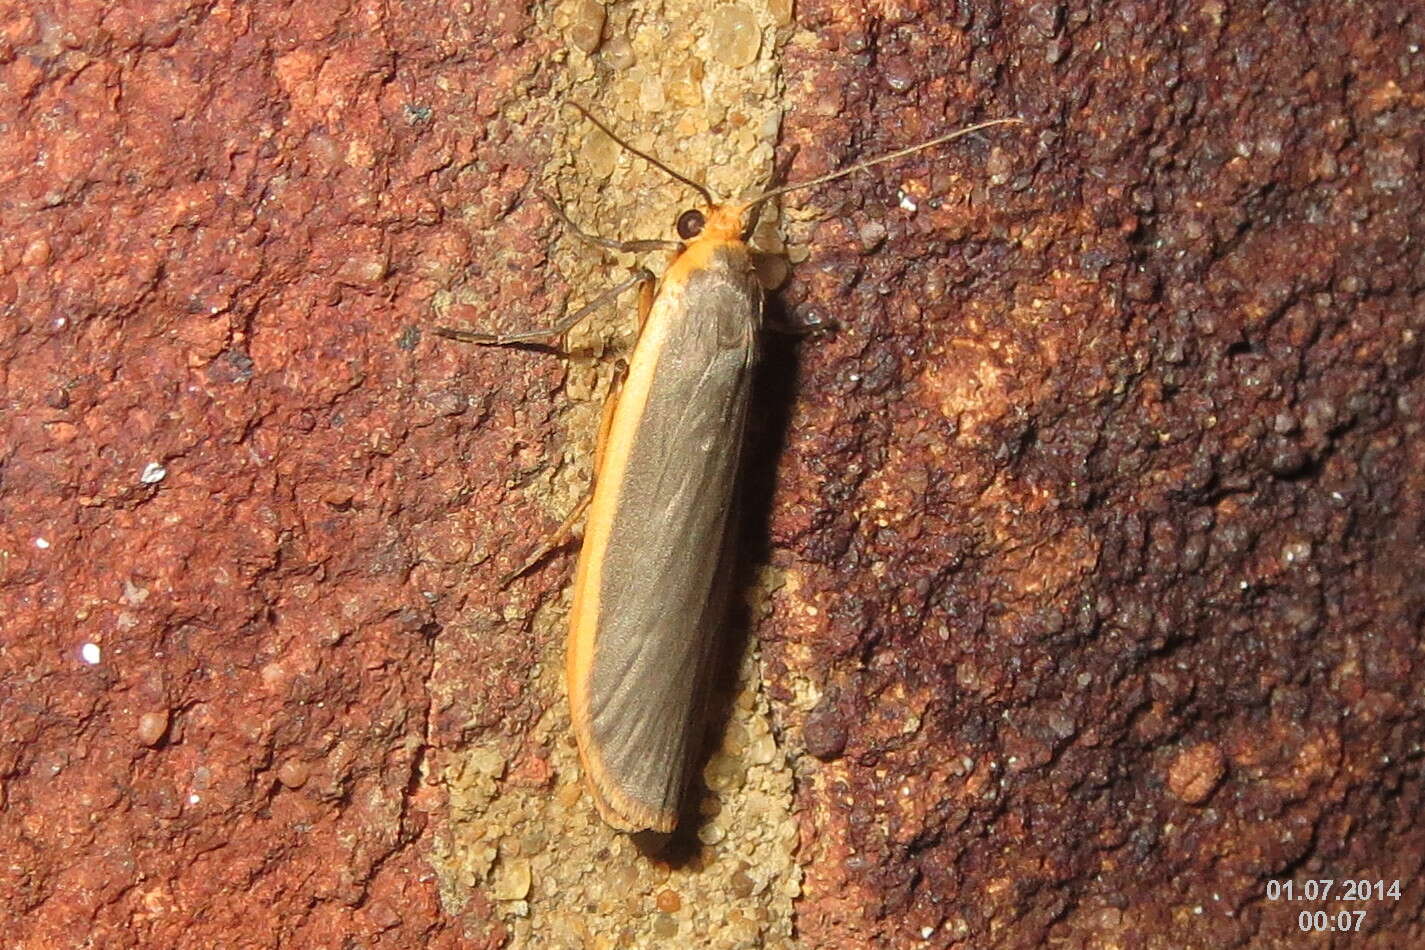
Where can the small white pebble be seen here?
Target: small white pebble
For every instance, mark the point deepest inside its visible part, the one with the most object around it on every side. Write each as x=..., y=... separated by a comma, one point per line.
x=194, y=799
x=908, y=202
x=735, y=36
x=90, y=654
x=42, y=544
x=711, y=834
x=153, y=472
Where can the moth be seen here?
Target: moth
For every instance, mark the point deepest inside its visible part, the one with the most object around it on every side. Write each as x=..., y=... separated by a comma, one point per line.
x=648, y=599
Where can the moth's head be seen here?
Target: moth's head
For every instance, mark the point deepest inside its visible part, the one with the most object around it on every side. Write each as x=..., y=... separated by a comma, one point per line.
x=714, y=221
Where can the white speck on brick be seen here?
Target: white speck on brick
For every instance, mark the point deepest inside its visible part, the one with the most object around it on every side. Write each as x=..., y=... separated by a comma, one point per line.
x=153, y=472
x=90, y=654
x=42, y=544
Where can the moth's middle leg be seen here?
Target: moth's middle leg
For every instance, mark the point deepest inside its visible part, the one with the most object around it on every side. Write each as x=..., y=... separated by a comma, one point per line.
x=566, y=531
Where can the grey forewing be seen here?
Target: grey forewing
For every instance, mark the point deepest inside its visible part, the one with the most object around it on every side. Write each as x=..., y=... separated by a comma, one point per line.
x=657, y=624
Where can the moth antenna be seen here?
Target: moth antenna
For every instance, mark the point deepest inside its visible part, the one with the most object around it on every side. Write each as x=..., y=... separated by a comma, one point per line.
x=892, y=156
x=707, y=195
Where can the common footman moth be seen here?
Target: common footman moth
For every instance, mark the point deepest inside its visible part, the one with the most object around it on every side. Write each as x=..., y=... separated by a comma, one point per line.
x=646, y=603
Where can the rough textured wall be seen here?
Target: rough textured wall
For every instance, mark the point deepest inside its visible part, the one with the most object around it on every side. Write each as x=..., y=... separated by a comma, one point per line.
x=232, y=465
x=1102, y=516
x=1094, y=596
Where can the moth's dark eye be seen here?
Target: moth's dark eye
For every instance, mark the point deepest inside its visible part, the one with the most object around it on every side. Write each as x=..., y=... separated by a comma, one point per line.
x=690, y=224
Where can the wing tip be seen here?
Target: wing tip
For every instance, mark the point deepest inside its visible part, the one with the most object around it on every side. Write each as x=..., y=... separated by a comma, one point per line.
x=632, y=817
x=619, y=810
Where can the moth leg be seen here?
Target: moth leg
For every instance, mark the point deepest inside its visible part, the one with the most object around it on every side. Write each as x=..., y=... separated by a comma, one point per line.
x=628, y=247
x=640, y=276
x=611, y=403
x=563, y=534
x=645, y=303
